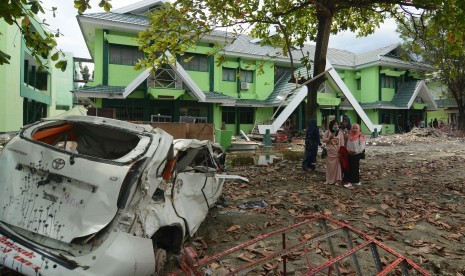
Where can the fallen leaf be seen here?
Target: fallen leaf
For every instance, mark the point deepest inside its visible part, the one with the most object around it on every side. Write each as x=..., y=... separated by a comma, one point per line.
x=327, y=212
x=410, y=226
x=370, y=210
x=233, y=228
x=246, y=257
x=456, y=236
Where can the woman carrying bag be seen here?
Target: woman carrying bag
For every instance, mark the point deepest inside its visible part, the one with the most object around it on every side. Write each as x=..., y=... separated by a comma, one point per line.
x=334, y=139
x=355, y=147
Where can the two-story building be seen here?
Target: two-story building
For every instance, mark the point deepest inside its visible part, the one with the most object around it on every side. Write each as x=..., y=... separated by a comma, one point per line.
x=248, y=87
x=28, y=94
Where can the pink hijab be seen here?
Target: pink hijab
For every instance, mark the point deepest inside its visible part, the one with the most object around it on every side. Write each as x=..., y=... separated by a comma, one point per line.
x=355, y=133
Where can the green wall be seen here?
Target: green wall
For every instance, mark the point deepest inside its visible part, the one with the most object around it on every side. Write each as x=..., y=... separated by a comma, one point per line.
x=202, y=79
x=98, y=57
x=13, y=90
x=370, y=85
x=439, y=114
x=61, y=86
x=264, y=84
x=11, y=103
x=121, y=75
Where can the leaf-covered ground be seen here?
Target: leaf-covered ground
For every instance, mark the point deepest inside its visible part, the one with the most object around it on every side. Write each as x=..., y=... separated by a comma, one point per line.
x=412, y=198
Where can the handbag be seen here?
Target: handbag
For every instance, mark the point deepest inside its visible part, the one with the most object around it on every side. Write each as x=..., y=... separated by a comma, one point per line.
x=324, y=153
x=362, y=154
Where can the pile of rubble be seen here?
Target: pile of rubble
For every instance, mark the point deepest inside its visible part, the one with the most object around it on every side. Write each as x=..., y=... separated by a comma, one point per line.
x=422, y=135
x=5, y=138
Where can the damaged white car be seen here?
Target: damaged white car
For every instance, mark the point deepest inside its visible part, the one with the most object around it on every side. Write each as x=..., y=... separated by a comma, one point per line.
x=96, y=196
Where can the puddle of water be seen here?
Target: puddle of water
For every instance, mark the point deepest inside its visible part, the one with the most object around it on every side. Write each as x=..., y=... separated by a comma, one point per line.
x=262, y=156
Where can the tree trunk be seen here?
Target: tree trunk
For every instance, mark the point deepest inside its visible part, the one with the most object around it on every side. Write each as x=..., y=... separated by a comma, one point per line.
x=454, y=87
x=325, y=20
x=461, y=119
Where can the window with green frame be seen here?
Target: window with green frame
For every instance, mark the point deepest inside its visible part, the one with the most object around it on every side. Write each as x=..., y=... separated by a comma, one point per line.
x=194, y=62
x=246, y=115
x=229, y=74
x=228, y=115
x=124, y=54
x=388, y=82
x=359, y=84
x=246, y=76
x=386, y=118
x=279, y=72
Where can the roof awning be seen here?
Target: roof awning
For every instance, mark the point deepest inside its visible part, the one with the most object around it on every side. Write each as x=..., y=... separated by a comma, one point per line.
x=392, y=73
x=100, y=91
x=166, y=94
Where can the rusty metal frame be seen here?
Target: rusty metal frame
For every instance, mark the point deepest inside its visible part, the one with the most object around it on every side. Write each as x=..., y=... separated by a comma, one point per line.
x=191, y=266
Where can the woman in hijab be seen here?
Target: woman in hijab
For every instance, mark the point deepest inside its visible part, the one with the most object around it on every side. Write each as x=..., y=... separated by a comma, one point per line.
x=312, y=141
x=345, y=126
x=355, y=146
x=334, y=139
x=345, y=123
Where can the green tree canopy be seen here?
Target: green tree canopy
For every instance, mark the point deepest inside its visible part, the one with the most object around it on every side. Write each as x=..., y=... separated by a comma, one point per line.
x=25, y=14
x=281, y=23
x=438, y=38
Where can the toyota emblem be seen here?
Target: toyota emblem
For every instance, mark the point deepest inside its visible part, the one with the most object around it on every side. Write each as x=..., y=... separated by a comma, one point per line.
x=58, y=163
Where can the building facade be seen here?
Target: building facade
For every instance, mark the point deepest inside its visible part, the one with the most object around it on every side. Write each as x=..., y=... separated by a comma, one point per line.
x=243, y=86
x=26, y=93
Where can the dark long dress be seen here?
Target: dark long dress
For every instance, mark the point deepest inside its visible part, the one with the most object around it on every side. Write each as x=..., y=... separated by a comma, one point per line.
x=312, y=141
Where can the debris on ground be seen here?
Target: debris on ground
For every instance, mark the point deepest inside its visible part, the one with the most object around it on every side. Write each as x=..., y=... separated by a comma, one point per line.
x=253, y=204
x=412, y=198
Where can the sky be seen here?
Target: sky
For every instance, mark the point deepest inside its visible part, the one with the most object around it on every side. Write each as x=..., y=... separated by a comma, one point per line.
x=73, y=41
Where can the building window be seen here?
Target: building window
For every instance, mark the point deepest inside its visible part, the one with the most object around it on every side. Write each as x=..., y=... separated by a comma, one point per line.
x=62, y=107
x=228, y=115
x=359, y=84
x=32, y=76
x=26, y=71
x=125, y=55
x=386, y=119
x=246, y=76
x=388, y=82
x=194, y=62
x=42, y=81
x=280, y=72
x=165, y=77
x=229, y=74
x=193, y=111
x=246, y=115
x=35, y=78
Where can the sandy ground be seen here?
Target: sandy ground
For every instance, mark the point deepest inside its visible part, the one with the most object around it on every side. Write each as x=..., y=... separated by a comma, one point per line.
x=412, y=198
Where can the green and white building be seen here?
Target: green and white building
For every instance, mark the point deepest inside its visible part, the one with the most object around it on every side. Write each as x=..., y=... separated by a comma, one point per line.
x=375, y=88
x=27, y=94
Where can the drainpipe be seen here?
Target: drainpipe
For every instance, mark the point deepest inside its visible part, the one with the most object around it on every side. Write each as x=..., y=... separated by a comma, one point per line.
x=105, y=59
x=379, y=97
x=211, y=65
x=238, y=124
x=211, y=107
x=379, y=83
x=238, y=81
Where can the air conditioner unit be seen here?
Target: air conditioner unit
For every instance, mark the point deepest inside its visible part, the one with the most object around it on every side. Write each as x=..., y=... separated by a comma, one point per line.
x=245, y=85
